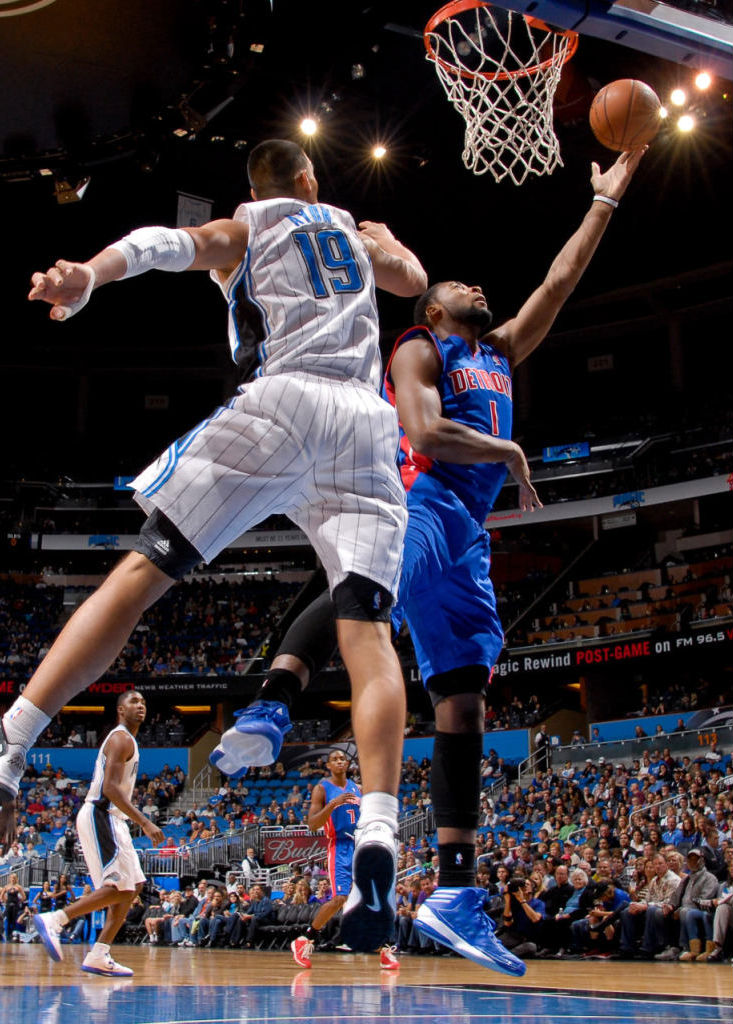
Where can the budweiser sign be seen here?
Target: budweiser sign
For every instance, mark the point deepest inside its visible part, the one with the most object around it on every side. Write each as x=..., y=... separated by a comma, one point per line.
x=284, y=849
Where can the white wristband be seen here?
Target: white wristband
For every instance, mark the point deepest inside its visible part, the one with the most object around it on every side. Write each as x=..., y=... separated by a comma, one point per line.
x=156, y=248
x=606, y=199
x=69, y=309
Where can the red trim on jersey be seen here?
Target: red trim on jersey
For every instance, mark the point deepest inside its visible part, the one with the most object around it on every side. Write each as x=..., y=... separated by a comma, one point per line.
x=331, y=864
x=413, y=463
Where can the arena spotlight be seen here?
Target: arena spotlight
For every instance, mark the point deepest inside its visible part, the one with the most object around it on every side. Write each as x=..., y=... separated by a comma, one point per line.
x=308, y=126
x=678, y=97
x=663, y=113
x=686, y=123
x=379, y=151
x=703, y=81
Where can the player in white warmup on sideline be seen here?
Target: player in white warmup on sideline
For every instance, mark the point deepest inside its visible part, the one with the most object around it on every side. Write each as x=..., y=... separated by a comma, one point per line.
x=106, y=842
x=308, y=437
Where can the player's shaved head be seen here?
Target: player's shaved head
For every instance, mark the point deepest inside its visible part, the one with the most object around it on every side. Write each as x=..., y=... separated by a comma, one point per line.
x=273, y=166
x=420, y=314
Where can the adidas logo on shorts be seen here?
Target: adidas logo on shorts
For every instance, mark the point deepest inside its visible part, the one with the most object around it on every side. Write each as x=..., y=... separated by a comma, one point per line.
x=162, y=546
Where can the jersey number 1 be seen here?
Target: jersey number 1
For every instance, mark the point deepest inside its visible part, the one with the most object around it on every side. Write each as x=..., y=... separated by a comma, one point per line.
x=331, y=252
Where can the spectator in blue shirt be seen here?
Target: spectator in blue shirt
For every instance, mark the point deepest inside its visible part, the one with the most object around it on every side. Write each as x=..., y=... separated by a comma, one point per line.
x=672, y=834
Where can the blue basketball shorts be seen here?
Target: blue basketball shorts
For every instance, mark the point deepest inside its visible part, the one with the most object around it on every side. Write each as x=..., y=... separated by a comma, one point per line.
x=445, y=592
x=340, y=856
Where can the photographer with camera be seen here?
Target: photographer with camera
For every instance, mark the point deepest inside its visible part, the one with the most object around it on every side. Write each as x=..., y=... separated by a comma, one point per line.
x=522, y=918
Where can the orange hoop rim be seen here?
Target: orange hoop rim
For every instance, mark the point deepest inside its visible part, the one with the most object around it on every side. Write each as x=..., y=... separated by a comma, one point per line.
x=449, y=10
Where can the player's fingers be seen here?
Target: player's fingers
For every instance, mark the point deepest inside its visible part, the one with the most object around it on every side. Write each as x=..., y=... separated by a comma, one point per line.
x=38, y=280
x=60, y=312
x=595, y=169
x=64, y=267
x=55, y=277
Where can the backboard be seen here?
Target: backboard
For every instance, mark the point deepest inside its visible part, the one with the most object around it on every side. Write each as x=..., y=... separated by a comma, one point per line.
x=675, y=33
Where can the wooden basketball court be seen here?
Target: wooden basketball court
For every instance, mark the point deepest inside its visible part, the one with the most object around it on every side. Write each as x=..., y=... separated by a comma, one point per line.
x=193, y=986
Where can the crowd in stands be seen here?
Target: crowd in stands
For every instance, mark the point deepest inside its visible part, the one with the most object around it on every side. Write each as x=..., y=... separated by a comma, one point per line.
x=29, y=622
x=624, y=860
x=669, y=597
x=201, y=627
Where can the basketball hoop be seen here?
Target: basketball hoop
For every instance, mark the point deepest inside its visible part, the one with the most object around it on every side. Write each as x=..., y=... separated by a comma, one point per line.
x=500, y=71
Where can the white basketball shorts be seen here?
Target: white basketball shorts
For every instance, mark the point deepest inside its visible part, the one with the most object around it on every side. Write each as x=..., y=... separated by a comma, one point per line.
x=320, y=451
x=107, y=845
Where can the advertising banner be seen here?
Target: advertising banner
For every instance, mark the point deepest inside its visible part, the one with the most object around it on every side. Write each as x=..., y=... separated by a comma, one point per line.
x=284, y=849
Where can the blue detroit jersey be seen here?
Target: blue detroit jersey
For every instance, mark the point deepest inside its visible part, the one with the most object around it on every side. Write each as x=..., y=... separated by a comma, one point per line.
x=343, y=819
x=476, y=390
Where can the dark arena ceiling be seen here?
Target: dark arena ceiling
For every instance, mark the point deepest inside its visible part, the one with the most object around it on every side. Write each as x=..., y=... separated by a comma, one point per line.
x=149, y=99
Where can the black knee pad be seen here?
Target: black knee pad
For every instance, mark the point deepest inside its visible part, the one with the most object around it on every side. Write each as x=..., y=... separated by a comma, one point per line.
x=361, y=599
x=469, y=679
x=312, y=637
x=455, y=779
x=165, y=546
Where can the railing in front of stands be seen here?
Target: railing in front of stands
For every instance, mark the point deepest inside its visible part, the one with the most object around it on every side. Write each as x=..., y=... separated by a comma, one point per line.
x=691, y=742
x=204, y=855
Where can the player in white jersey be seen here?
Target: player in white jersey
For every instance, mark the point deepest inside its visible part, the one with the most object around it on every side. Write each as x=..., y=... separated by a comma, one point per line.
x=106, y=842
x=309, y=437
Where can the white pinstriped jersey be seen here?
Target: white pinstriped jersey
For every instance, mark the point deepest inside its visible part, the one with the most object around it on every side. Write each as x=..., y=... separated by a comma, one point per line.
x=129, y=776
x=302, y=299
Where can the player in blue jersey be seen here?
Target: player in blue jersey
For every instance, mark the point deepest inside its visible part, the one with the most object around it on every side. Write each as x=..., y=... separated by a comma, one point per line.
x=450, y=379
x=335, y=808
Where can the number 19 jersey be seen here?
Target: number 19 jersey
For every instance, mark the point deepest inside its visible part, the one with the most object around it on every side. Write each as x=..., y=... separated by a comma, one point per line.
x=302, y=299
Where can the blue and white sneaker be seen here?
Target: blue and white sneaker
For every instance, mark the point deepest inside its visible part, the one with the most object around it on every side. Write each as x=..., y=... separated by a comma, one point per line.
x=255, y=739
x=369, y=911
x=105, y=965
x=49, y=928
x=457, y=919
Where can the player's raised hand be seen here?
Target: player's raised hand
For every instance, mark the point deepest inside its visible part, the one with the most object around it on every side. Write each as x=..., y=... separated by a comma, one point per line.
x=346, y=798
x=613, y=182
x=65, y=286
x=378, y=233
x=519, y=468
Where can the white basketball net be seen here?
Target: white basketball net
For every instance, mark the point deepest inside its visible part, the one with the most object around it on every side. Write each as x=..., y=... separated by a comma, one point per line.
x=483, y=56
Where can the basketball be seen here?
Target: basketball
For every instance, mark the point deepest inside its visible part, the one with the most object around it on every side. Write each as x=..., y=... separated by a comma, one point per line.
x=625, y=115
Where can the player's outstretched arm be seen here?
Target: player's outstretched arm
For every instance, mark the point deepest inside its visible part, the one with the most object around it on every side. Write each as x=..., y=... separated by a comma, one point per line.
x=118, y=751
x=67, y=286
x=520, y=336
x=396, y=268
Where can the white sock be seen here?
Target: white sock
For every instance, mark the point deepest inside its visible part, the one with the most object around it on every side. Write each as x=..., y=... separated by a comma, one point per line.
x=62, y=918
x=24, y=722
x=379, y=807
x=99, y=949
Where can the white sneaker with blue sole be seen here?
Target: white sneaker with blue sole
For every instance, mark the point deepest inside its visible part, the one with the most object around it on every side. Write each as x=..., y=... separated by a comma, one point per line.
x=49, y=928
x=255, y=739
x=106, y=966
x=457, y=919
